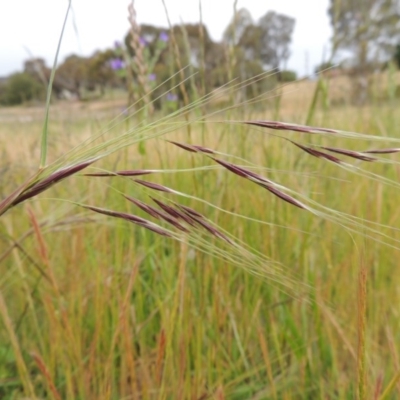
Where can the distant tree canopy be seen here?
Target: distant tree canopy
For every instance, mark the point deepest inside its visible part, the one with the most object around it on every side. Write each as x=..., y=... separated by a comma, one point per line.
x=19, y=88
x=194, y=44
x=267, y=41
x=257, y=46
x=323, y=67
x=368, y=29
x=237, y=27
x=77, y=73
x=73, y=76
x=396, y=56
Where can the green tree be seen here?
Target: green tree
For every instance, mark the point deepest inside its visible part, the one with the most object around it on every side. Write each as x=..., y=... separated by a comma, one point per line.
x=236, y=28
x=73, y=74
x=276, y=36
x=19, y=88
x=267, y=41
x=287, y=76
x=37, y=68
x=396, y=56
x=326, y=65
x=99, y=72
x=77, y=74
x=250, y=43
x=369, y=29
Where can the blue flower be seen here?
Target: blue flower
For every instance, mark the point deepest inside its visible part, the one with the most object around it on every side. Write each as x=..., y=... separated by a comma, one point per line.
x=164, y=37
x=152, y=77
x=172, y=97
x=116, y=64
x=143, y=41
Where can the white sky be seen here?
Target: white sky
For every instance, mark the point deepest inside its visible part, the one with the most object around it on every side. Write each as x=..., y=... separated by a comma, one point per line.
x=33, y=26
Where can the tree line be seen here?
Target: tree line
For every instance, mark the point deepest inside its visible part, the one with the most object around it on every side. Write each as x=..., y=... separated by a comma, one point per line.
x=367, y=33
x=249, y=47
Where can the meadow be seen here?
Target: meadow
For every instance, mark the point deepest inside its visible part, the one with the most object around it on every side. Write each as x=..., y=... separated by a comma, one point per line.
x=284, y=304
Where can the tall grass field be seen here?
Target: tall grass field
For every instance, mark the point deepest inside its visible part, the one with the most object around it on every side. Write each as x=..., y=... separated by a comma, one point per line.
x=208, y=253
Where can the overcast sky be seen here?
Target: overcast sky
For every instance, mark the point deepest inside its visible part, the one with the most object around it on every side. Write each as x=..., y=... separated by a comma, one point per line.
x=32, y=27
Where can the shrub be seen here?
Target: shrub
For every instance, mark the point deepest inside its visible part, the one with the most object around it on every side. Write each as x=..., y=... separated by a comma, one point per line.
x=19, y=88
x=287, y=76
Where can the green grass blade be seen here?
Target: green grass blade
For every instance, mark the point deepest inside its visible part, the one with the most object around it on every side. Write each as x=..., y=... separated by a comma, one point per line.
x=43, y=146
x=390, y=387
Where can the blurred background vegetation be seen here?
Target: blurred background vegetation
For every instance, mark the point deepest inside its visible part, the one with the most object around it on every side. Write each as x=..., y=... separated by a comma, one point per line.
x=364, y=43
x=250, y=47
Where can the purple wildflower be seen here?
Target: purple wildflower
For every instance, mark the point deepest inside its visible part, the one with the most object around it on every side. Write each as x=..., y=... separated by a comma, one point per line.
x=152, y=77
x=117, y=44
x=164, y=37
x=172, y=97
x=117, y=64
x=143, y=41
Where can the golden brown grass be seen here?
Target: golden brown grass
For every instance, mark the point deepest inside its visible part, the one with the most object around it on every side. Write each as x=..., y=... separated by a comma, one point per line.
x=95, y=308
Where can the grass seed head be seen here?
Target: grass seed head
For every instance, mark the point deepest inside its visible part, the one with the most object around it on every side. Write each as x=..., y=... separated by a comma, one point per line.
x=232, y=167
x=210, y=228
x=192, y=148
x=189, y=211
x=203, y=149
x=318, y=154
x=131, y=218
x=349, y=153
x=186, y=147
x=382, y=151
x=154, y=186
x=283, y=126
x=51, y=180
x=145, y=207
x=284, y=196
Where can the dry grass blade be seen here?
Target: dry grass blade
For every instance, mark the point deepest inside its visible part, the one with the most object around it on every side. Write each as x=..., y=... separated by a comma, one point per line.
x=47, y=375
x=390, y=387
x=378, y=386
